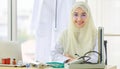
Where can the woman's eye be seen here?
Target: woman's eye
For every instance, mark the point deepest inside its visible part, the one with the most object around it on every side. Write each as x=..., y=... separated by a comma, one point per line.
x=75, y=14
x=83, y=15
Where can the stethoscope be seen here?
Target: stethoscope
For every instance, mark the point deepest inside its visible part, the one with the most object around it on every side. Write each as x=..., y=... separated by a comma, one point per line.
x=86, y=57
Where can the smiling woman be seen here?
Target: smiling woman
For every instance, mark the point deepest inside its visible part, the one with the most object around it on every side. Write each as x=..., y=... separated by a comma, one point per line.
x=50, y=19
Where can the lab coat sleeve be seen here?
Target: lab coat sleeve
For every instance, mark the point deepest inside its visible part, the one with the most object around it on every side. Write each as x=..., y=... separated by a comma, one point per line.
x=94, y=56
x=57, y=54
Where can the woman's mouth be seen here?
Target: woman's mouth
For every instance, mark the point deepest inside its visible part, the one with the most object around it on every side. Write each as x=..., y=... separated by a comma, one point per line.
x=79, y=23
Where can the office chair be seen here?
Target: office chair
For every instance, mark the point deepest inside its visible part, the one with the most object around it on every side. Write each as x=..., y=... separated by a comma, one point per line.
x=105, y=46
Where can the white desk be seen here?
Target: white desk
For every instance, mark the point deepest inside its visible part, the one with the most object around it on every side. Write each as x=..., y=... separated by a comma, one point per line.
x=107, y=67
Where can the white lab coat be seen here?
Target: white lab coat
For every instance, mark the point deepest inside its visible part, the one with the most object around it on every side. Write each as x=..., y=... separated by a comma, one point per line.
x=44, y=17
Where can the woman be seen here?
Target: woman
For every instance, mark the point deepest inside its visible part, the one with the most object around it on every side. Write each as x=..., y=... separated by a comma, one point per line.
x=79, y=37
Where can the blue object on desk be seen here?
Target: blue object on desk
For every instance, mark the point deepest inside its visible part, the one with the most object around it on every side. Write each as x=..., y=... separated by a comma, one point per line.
x=56, y=64
x=27, y=65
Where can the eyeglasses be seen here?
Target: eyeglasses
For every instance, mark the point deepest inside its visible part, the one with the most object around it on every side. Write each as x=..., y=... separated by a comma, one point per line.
x=83, y=15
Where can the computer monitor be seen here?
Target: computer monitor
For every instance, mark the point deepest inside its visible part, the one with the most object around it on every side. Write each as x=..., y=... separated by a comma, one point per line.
x=10, y=49
x=101, y=44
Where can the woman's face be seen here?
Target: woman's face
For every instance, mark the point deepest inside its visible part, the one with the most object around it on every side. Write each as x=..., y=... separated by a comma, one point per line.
x=79, y=17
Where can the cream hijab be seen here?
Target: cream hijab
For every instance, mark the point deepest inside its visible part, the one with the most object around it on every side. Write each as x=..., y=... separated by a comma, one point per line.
x=79, y=40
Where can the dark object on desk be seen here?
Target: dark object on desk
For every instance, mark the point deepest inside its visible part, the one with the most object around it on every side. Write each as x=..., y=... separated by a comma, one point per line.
x=67, y=61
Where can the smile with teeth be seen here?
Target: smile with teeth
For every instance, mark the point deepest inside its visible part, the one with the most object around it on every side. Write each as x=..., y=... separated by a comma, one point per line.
x=81, y=22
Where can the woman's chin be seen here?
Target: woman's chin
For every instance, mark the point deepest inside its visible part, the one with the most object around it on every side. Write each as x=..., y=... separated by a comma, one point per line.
x=81, y=25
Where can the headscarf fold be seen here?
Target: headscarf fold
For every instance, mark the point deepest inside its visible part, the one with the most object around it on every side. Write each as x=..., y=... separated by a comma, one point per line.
x=79, y=40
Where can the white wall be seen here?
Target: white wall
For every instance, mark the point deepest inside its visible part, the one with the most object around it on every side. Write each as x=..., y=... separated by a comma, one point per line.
x=111, y=23
x=10, y=49
x=106, y=13
x=113, y=49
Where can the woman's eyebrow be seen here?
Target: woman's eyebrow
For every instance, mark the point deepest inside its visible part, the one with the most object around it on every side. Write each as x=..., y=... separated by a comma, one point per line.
x=84, y=13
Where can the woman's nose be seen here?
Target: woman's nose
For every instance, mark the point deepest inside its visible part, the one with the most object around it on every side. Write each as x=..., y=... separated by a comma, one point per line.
x=79, y=18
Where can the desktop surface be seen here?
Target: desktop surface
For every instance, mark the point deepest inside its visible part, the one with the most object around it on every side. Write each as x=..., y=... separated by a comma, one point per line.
x=107, y=67
x=26, y=68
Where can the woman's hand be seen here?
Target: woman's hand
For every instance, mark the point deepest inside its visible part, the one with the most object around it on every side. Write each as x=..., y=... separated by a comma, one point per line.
x=70, y=58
